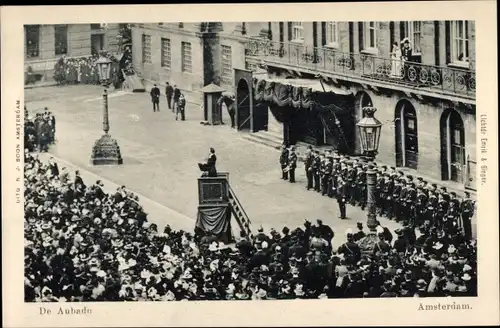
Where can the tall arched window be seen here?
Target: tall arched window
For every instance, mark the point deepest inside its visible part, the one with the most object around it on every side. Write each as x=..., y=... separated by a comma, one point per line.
x=406, y=132
x=453, y=156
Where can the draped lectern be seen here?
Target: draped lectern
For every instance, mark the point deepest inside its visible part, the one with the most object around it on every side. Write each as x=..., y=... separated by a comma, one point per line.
x=214, y=210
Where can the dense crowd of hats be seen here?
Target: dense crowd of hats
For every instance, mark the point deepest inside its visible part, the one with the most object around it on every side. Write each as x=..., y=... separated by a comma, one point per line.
x=83, y=70
x=82, y=244
x=39, y=130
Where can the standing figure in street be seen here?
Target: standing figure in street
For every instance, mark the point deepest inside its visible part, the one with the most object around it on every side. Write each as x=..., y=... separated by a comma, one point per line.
x=284, y=162
x=169, y=93
x=292, y=163
x=181, y=108
x=155, y=98
x=231, y=109
x=341, y=197
x=308, y=163
x=177, y=95
x=467, y=210
x=317, y=171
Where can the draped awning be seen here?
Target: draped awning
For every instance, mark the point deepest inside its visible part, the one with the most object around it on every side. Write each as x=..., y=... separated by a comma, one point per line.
x=298, y=93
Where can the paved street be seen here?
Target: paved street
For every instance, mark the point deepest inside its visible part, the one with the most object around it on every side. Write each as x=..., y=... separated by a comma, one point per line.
x=161, y=156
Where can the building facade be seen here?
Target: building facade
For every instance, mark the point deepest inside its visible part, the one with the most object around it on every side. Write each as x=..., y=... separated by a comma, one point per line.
x=45, y=44
x=427, y=108
x=191, y=55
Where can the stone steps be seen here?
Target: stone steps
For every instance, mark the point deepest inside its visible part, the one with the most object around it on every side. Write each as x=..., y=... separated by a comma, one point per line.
x=272, y=139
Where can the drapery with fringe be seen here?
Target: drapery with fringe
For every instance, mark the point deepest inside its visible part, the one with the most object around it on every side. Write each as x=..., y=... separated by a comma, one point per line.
x=215, y=220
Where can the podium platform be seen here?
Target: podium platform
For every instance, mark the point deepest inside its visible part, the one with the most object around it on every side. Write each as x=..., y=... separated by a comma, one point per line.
x=217, y=204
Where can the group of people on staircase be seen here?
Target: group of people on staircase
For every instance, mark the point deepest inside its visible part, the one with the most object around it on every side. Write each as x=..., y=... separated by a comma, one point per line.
x=397, y=196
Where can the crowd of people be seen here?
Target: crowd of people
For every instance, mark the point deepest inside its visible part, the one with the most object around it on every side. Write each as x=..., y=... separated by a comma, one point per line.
x=39, y=131
x=83, y=244
x=84, y=70
x=398, y=197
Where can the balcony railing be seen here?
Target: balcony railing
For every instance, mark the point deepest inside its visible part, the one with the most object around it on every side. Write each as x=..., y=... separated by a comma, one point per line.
x=446, y=80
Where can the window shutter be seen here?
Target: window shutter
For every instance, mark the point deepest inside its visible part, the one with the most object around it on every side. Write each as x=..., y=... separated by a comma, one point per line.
x=391, y=35
x=282, y=32
x=290, y=34
x=323, y=33
x=315, y=34
x=361, y=26
x=351, y=39
x=402, y=32
x=447, y=42
x=436, y=43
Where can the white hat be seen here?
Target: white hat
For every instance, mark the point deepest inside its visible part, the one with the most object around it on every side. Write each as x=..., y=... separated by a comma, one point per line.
x=466, y=277
x=264, y=244
x=380, y=230
x=101, y=273
x=438, y=245
x=467, y=268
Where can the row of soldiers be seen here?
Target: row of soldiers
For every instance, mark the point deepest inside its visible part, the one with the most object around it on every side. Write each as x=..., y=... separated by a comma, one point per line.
x=39, y=131
x=397, y=196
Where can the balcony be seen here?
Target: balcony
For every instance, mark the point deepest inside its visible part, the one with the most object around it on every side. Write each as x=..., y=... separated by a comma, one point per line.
x=365, y=68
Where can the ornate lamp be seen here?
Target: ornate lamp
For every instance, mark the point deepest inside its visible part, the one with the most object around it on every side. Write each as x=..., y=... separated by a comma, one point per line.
x=369, y=131
x=106, y=150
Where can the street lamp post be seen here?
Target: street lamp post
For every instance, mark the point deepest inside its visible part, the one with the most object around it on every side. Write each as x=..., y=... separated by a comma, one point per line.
x=369, y=131
x=106, y=150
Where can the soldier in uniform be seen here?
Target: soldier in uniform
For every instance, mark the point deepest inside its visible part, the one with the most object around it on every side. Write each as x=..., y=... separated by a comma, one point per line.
x=335, y=173
x=402, y=200
x=292, y=163
x=396, y=190
x=341, y=196
x=411, y=201
x=432, y=204
x=284, y=162
x=387, y=194
x=361, y=186
x=442, y=209
x=379, y=189
x=331, y=177
x=421, y=207
x=467, y=211
x=351, y=183
x=308, y=163
x=317, y=171
x=327, y=175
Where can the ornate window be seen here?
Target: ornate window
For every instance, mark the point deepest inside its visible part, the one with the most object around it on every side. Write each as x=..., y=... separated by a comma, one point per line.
x=460, y=39
x=61, y=39
x=32, y=40
x=413, y=31
x=297, y=31
x=370, y=35
x=226, y=65
x=146, y=48
x=186, y=58
x=166, y=53
x=332, y=37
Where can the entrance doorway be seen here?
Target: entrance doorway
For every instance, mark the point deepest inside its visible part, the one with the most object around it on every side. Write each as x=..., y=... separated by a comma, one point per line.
x=243, y=105
x=405, y=121
x=453, y=157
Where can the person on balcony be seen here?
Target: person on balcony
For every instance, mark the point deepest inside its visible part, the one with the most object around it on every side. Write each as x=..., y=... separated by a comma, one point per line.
x=406, y=56
x=396, y=61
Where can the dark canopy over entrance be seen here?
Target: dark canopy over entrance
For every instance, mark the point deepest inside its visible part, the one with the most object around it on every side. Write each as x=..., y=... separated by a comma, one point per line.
x=309, y=114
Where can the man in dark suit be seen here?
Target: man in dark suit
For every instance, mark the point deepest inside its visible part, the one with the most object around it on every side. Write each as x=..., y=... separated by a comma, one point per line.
x=308, y=166
x=209, y=166
x=467, y=211
x=292, y=163
x=169, y=93
x=284, y=162
x=155, y=98
x=177, y=95
x=231, y=109
x=341, y=197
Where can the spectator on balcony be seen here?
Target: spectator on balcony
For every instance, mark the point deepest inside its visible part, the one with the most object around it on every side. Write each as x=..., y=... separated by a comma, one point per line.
x=396, y=61
x=406, y=56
